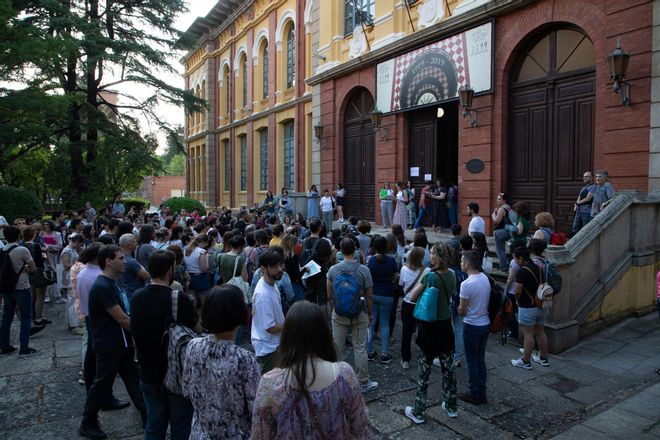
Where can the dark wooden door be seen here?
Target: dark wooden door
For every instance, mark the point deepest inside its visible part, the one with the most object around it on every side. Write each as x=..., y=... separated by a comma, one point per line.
x=551, y=132
x=359, y=157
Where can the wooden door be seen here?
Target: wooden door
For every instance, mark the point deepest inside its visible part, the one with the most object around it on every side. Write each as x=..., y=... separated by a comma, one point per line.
x=551, y=130
x=359, y=157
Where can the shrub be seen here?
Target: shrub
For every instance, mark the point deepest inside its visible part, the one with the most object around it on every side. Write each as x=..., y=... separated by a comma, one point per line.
x=177, y=203
x=136, y=202
x=18, y=203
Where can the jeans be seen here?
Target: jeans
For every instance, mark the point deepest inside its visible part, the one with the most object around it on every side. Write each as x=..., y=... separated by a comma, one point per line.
x=267, y=362
x=163, y=408
x=110, y=362
x=474, y=338
x=501, y=237
x=580, y=220
x=381, y=311
x=386, y=212
x=411, y=213
x=358, y=327
x=23, y=300
x=408, y=325
x=420, y=216
x=298, y=291
x=457, y=324
x=453, y=214
x=328, y=216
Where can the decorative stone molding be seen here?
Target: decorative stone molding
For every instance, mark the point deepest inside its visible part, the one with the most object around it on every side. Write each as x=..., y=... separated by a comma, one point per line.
x=430, y=12
x=261, y=35
x=308, y=16
x=358, y=45
x=281, y=22
x=241, y=50
x=467, y=5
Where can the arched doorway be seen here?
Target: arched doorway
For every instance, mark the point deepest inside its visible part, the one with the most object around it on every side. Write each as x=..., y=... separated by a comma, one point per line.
x=359, y=156
x=551, y=131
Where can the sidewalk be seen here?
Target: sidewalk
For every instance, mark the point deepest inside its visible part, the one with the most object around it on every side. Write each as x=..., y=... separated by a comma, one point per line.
x=605, y=387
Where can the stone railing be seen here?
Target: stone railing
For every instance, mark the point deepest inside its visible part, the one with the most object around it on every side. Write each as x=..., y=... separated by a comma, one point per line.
x=608, y=269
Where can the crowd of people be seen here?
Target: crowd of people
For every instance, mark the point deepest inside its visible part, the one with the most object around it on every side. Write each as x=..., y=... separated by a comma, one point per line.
x=270, y=301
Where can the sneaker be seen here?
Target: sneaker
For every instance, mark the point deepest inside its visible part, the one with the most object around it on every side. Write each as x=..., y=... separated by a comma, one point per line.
x=42, y=322
x=539, y=360
x=60, y=301
x=369, y=386
x=92, y=432
x=436, y=362
x=521, y=364
x=457, y=363
x=36, y=329
x=81, y=381
x=47, y=300
x=386, y=359
x=534, y=352
x=453, y=413
x=413, y=417
x=28, y=352
x=371, y=356
x=405, y=365
x=77, y=331
x=8, y=350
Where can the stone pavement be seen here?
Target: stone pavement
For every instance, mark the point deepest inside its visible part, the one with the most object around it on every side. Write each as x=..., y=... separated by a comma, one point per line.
x=605, y=387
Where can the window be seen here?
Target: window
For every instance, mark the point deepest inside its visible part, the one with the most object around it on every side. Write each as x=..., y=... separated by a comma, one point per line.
x=245, y=82
x=227, y=88
x=243, y=163
x=365, y=14
x=265, y=71
x=263, y=156
x=290, y=56
x=227, y=165
x=289, y=148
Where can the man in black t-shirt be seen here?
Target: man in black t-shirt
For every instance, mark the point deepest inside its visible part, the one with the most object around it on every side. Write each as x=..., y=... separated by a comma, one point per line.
x=316, y=285
x=112, y=341
x=151, y=312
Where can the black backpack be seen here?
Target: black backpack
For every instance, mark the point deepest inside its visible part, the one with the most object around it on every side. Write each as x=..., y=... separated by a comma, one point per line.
x=8, y=276
x=496, y=299
x=310, y=254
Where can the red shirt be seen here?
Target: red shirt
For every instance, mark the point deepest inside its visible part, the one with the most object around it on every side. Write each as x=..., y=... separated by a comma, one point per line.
x=422, y=196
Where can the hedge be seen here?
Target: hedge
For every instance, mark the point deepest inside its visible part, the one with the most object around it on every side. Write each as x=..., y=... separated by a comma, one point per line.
x=176, y=204
x=18, y=203
x=135, y=202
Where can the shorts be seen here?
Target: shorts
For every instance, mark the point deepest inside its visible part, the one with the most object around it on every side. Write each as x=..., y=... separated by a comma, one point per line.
x=531, y=316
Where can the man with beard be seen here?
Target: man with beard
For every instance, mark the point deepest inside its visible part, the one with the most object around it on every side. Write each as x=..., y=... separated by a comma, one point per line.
x=267, y=319
x=151, y=310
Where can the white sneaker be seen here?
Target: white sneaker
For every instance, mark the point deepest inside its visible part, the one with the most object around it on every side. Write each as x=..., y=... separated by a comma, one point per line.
x=534, y=352
x=520, y=363
x=369, y=386
x=537, y=358
x=405, y=365
x=411, y=416
x=451, y=413
x=457, y=363
x=436, y=362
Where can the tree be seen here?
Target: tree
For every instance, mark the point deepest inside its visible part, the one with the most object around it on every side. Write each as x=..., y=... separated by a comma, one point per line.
x=176, y=166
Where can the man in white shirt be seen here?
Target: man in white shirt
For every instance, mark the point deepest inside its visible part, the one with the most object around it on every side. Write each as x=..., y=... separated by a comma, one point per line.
x=268, y=318
x=3, y=225
x=475, y=296
x=477, y=224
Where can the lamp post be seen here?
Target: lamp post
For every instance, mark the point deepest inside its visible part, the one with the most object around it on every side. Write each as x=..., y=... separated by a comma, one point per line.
x=465, y=96
x=617, y=62
x=376, y=119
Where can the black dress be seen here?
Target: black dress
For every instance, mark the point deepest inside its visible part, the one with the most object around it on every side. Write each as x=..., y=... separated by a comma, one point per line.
x=440, y=211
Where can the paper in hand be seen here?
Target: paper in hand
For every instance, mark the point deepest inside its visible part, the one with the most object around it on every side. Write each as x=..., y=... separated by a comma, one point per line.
x=312, y=269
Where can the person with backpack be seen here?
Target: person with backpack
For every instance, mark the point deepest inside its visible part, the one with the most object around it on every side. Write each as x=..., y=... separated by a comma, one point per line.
x=219, y=377
x=545, y=223
x=384, y=272
x=531, y=315
x=502, y=216
x=318, y=249
x=112, y=342
x=16, y=264
x=151, y=311
x=350, y=287
x=474, y=299
x=38, y=290
x=435, y=338
x=411, y=272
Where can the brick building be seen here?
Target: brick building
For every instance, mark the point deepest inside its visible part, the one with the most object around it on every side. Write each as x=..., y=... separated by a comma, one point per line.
x=544, y=105
x=157, y=189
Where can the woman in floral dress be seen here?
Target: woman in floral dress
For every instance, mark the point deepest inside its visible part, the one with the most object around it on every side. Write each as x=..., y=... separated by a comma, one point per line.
x=311, y=395
x=401, y=210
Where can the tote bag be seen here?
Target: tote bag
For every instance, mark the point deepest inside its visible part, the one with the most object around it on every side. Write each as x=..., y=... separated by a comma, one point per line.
x=426, y=308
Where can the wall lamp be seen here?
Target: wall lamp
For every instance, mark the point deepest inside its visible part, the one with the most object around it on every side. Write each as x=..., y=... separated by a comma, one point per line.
x=318, y=131
x=376, y=119
x=617, y=61
x=465, y=95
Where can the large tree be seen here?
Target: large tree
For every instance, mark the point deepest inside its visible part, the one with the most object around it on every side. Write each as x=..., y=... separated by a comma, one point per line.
x=87, y=58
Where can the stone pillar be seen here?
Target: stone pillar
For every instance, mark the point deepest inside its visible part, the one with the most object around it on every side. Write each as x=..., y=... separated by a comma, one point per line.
x=316, y=95
x=654, y=141
x=211, y=140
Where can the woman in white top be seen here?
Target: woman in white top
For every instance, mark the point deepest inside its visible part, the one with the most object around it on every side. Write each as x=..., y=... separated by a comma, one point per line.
x=340, y=193
x=409, y=277
x=401, y=210
x=412, y=215
x=69, y=258
x=327, y=203
x=311, y=394
x=54, y=245
x=196, y=260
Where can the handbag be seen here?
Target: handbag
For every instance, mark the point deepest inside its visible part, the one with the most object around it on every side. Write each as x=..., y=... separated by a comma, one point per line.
x=487, y=263
x=238, y=281
x=426, y=308
x=43, y=277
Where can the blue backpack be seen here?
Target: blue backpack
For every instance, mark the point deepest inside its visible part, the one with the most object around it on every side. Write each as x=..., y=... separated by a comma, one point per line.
x=347, y=295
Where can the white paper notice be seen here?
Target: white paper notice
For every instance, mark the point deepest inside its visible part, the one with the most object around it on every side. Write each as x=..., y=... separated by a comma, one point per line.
x=428, y=177
x=414, y=171
x=312, y=269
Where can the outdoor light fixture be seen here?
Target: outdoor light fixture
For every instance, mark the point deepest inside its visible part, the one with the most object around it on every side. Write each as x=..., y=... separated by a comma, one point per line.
x=376, y=119
x=441, y=112
x=617, y=61
x=318, y=131
x=465, y=95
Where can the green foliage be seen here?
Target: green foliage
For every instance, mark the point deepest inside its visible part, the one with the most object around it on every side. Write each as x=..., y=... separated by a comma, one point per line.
x=177, y=203
x=176, y=166
x=18, y=203
x=135, y=203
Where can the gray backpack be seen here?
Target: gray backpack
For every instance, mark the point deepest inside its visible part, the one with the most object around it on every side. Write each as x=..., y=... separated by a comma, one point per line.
x=178, y=336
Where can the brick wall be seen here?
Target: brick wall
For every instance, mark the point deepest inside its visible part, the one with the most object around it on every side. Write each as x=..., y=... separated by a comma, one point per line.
x=157, y=189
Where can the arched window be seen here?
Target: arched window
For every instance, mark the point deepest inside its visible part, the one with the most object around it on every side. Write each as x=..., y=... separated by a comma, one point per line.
x=244, y=73
x=290, y=56
x=227, y=80
x=265, y=67
x=289, y=155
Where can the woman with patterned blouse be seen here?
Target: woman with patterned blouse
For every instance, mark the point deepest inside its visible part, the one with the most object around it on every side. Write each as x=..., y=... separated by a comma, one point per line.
x=219, y=377
x=311, y=395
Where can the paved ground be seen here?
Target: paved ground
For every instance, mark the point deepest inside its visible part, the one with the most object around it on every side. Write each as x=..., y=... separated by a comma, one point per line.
x=605, y=387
